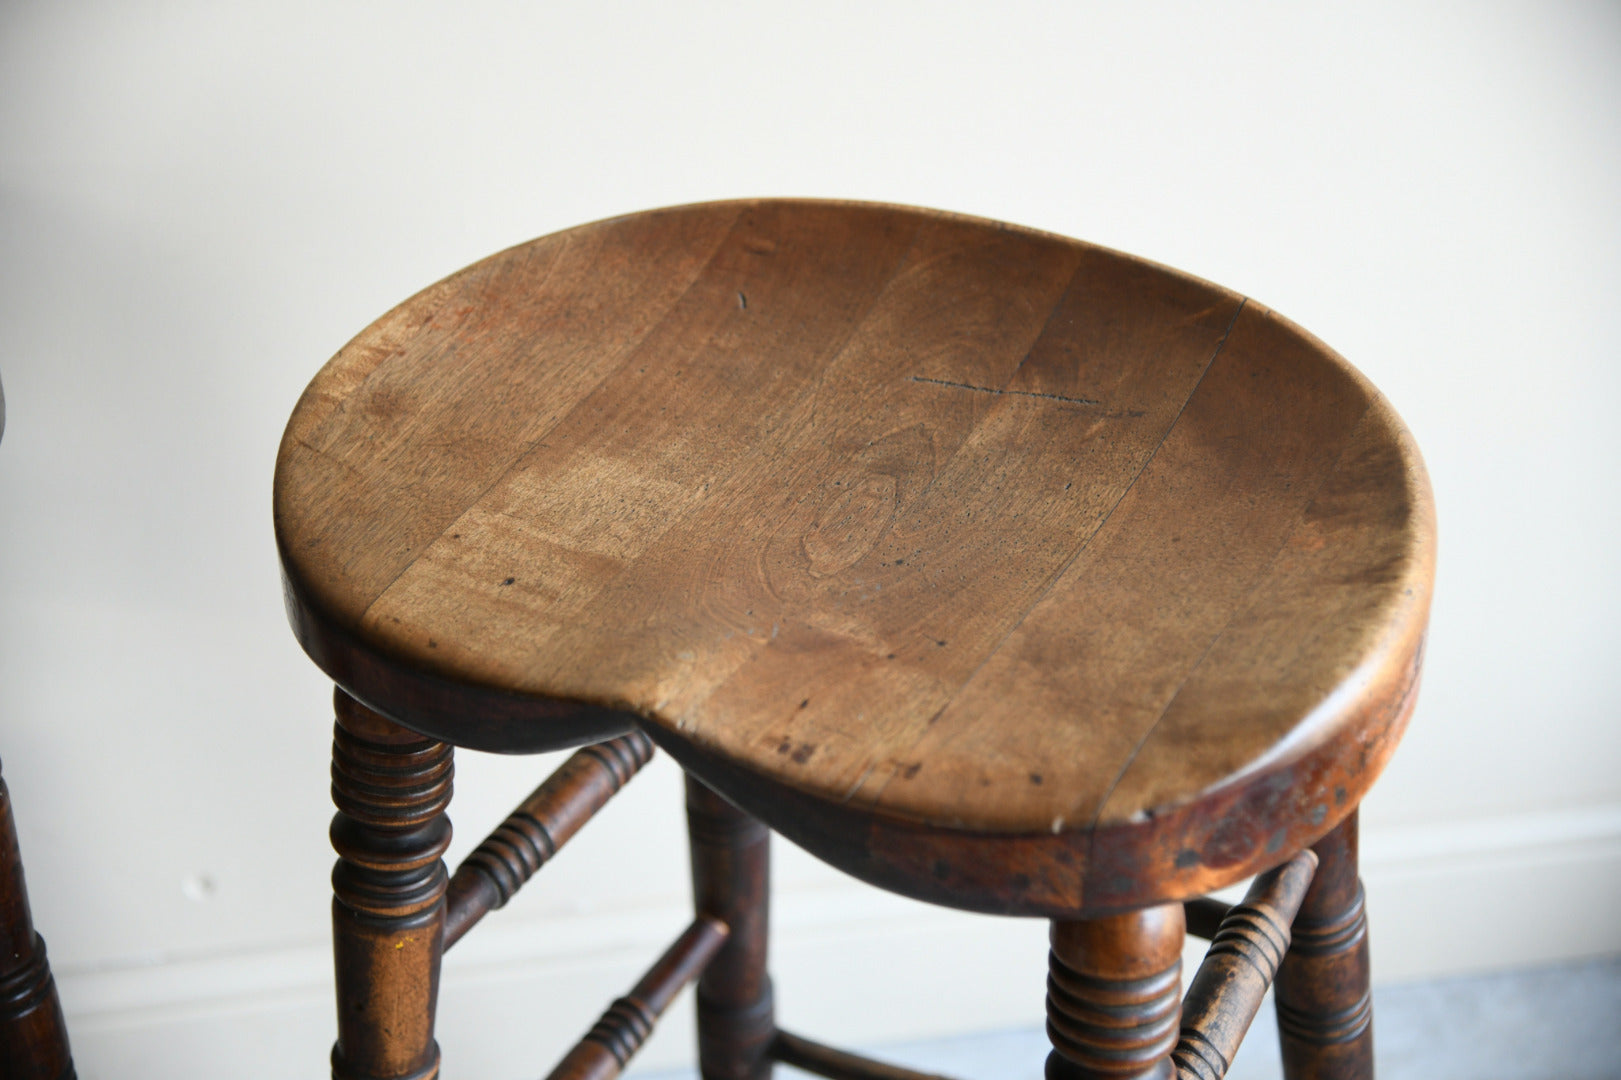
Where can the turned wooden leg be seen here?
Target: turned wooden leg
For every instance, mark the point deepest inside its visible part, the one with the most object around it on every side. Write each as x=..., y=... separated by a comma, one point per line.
x=731, y=880
x=33, y=1035
x=1114, y=995
x=1325, y=1011
x=388, y=910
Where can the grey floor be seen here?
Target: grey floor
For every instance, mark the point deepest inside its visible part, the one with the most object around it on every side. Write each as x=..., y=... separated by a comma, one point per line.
x=1559, y=1023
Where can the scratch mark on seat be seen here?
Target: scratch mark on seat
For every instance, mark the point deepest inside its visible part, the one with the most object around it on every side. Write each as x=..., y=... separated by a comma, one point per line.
x=1221, y=343
x=855, y=787
x=994, y=390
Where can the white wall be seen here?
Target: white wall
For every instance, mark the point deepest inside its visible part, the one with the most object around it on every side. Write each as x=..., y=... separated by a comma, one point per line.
x=199, y=203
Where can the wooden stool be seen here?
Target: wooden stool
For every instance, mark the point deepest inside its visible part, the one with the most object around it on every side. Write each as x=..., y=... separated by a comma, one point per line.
x=996, y=569
x=33, y=1034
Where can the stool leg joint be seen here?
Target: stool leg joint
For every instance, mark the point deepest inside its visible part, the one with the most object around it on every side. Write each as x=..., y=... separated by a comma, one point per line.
x=1243, y=959
x=534, y=832
x=391, y=788
x=731, y=868
x=1323, y=999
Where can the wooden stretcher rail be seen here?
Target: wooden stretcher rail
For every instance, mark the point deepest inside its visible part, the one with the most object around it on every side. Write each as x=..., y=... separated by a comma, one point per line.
x=1204, y=916
x=1243, y=959
x=541, y=824
x=611, y=1042
x=837, y=1064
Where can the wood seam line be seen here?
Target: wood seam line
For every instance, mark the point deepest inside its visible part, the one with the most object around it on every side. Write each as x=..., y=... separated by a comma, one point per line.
x=1046, y=324
x=568, y=241
x=529, y=448
x=373, y=374
x=1215, y=354
x=1102, y=524
x=843, y=346
x=1238, y=609
x=517, y=462
x=1070, y=284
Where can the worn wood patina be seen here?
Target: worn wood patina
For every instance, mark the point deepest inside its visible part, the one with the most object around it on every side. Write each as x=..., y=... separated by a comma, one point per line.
x=995, y=568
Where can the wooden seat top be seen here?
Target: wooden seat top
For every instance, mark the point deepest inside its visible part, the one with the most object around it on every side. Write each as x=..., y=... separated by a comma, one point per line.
x=920, y=519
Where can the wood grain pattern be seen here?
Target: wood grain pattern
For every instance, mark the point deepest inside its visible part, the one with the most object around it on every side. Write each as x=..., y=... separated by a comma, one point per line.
x=922, y=537
x=1243, y=959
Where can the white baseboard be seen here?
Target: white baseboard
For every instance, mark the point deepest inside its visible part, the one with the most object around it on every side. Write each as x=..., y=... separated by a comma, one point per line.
x=851, y=964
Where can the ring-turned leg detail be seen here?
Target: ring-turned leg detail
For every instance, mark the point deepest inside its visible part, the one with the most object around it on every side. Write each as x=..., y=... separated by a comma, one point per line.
x=731, y=881
x=1325, y=1009
x=33, y=1034
x=391, y=787
x=1114, y=995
